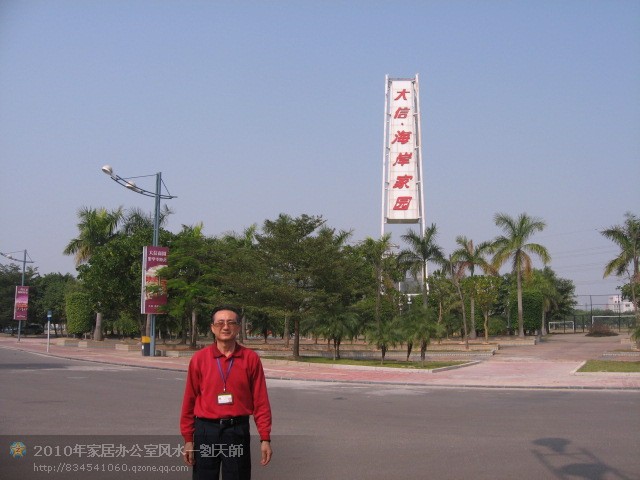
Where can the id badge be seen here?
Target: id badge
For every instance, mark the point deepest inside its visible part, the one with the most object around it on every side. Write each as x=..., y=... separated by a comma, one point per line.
x=225, y=398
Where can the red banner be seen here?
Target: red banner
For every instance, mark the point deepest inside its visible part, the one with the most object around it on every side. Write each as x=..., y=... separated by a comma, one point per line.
x=21, y=304
x=153, y=259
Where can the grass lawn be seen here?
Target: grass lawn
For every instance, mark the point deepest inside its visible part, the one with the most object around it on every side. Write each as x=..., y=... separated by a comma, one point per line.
x=610, y=366
x=376, y=363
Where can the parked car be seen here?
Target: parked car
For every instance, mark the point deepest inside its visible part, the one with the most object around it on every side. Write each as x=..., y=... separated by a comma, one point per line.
x=10, y=329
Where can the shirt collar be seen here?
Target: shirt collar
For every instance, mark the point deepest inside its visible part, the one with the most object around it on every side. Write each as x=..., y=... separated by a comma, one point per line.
x=237, y=352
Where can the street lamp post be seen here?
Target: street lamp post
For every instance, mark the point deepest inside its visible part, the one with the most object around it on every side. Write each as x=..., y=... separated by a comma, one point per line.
x=158, y=195
x=24, y=266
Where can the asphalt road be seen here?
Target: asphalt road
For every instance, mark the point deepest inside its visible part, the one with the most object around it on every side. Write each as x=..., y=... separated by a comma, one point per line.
x=338, y=431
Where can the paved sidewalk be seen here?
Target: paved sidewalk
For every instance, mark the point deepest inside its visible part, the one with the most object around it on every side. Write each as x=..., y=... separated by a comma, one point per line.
x=551, y=364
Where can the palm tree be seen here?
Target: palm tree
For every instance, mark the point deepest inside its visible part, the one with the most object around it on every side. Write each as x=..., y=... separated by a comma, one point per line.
x=384, y=335
x=627, y=237
x=418, y=325
x=337, y=325
x=455, y=269
x=422, y=249
x=442, y=292
x=512, y=245
x=95, y=228
x=546, y=284
x=137, y=219
x=470, y=257
x=377, y=255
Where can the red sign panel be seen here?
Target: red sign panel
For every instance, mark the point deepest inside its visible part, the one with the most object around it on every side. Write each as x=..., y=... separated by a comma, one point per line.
x=21, y=304
x=154, y=289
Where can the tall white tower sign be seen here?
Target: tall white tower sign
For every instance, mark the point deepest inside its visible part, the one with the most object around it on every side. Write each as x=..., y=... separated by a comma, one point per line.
x=402, y=194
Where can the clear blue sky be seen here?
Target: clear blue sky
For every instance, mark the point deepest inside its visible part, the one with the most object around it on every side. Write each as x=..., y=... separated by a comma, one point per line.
x=251, y=109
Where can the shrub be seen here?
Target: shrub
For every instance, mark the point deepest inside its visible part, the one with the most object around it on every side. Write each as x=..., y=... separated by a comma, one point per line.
x=497, y=326
x=79, y=313
x=601, y=330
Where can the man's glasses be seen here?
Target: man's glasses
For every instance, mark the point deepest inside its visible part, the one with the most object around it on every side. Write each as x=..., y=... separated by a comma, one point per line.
x=221, y=323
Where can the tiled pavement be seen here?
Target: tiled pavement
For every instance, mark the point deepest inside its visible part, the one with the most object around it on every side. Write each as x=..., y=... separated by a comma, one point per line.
x=551, y=364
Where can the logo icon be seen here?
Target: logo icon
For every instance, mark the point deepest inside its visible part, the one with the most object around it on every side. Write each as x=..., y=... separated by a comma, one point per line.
x=18, y=449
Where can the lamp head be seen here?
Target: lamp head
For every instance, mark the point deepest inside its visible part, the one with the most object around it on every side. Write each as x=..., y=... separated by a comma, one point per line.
x=107, y=169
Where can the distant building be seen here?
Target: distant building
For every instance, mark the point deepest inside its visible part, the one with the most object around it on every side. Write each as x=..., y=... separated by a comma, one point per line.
x=617, y=305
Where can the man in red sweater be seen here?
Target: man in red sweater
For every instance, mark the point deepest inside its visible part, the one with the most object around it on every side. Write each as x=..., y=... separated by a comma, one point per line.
x=225, y=385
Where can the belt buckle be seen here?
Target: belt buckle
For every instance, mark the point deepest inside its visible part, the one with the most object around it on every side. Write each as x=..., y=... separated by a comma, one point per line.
x=226, y=421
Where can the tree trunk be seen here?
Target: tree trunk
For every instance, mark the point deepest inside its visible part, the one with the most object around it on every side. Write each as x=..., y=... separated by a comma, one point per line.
x=486, y=327
x=464, y=318
x=543, y=327
x=194, y=328
x=97, y=333
x=409, y=348
x=520, y=312
x=286, y=331
x=472, y=334
x=296, y=338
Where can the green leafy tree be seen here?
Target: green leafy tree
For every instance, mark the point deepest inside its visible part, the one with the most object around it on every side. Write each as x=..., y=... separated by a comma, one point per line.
x=287, y=248
x=442, y=293
x=422, y=249
x=456, y=269
x=95, y=228
x=418, y=325
x=337, y=325
x=557, y=294
x=192, y=279
x=51, y=290
x=383, y=272
x=471, y=256
x=384, y=335
x=513, y=246
x=627, y=263
x=263, y=323
x=112, y=276
x=486, y=290
x=78, y=312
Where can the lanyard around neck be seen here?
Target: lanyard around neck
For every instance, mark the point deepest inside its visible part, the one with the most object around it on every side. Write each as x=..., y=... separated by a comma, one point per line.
x=222, y=375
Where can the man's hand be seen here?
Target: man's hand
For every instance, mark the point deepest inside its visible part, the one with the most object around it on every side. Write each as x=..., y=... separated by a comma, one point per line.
x=265, y=450
x=188, y=454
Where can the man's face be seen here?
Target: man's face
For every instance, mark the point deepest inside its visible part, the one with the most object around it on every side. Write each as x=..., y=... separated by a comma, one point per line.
x=225, y=325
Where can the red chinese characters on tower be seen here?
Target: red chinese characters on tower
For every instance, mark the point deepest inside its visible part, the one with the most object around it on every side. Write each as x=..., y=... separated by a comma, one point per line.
x=402, y=137
x=402, y=112
x=402, y=94
x=402, y=181
x=403, y=159
x=402, y=203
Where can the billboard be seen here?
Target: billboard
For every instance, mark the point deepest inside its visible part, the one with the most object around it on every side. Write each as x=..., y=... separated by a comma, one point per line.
x=402, y=153
x=21, y=303
x=153, y=259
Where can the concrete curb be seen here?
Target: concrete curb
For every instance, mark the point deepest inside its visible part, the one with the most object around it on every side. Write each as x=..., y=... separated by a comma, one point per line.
x=321, y=374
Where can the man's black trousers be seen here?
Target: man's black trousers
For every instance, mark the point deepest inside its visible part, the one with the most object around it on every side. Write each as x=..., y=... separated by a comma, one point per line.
x=223, y=444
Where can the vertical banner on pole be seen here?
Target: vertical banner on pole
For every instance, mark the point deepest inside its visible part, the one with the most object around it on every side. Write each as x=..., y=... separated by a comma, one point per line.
x=402, y=159
x=21, y=303
x=153, y=259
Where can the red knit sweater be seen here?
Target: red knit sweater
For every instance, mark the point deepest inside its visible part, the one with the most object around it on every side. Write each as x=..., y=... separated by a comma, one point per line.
x=245, y=381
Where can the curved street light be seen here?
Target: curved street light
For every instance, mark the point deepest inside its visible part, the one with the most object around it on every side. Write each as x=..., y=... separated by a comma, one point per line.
x=158, y=195
x=24, y=262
